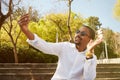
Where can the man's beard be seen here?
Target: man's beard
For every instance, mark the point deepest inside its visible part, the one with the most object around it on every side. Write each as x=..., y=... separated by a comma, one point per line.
x=77, y=44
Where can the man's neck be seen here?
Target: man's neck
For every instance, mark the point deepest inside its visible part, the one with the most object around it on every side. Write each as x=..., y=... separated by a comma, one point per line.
x=80, y=48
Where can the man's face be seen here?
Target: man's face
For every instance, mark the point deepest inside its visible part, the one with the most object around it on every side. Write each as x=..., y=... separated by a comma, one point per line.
x=82, y=36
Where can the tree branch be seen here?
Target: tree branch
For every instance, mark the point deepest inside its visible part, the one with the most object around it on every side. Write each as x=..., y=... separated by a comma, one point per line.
x=6, y=30
x=10, y=9
x=0, y=10
x=17, y=3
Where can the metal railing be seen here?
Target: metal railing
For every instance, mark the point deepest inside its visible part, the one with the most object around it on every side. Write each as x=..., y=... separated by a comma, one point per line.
x=109, y=61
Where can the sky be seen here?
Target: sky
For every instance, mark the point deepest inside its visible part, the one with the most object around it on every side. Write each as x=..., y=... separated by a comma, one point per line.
x=99, y=8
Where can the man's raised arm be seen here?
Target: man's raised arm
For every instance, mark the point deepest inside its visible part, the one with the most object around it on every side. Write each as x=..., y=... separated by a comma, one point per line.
x=23, y=22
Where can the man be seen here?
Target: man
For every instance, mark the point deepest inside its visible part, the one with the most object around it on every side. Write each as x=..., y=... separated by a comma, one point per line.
x=76, y=61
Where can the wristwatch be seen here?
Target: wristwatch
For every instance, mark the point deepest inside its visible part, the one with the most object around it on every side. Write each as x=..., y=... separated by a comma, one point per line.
x=89, y=55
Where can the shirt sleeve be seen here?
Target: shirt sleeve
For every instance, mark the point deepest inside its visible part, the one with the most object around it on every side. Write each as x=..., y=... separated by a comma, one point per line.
x=83, y=69
x=90, y=68
x=46, y=47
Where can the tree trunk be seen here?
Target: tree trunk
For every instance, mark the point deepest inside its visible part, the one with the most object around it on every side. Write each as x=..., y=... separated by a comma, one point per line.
x=15, y=54
x=2, y=19
x=68, y=23
x=14, y=48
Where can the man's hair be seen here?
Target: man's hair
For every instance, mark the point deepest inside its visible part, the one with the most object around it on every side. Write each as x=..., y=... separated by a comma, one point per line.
x=91, y=31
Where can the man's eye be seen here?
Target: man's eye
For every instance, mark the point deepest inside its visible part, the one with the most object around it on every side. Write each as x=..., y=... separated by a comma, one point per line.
x=77, y=31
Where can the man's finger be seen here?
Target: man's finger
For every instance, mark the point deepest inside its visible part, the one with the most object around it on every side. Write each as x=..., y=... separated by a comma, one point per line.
x=26, y=15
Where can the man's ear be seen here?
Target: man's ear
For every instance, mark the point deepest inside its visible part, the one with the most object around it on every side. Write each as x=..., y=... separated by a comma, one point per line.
x=90, y=41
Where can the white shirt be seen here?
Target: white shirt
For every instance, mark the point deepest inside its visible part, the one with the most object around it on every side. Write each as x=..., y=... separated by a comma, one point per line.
x=72, y=65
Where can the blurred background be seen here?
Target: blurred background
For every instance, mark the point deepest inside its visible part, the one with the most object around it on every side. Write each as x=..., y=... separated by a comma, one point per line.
x=57, y=21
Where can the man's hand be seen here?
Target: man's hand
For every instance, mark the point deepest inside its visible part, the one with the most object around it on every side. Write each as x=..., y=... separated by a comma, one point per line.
x=23, y=22
x=92, y=44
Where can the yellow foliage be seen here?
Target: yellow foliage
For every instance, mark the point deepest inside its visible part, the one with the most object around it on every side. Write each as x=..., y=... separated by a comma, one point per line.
x=117, y=10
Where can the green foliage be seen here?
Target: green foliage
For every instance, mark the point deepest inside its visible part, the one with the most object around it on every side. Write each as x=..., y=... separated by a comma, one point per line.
x=6, y=54
x=110, y=40
x=44, y=29
x=31, y=55
x=93, y=22
x=99, y=49
x=25, y=55
x=10, y=31
x=60, y=21
x=109, y=37
x=111, y=52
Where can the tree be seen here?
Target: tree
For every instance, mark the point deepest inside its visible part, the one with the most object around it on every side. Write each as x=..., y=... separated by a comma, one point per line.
x=109, y=36
x=68, y=22
x=10, y=28
x=117, y=10
x=93, y=22
x=2, y=16
x=10, y=6
x=33, y=14
x=59, y=21
x=117, y=42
